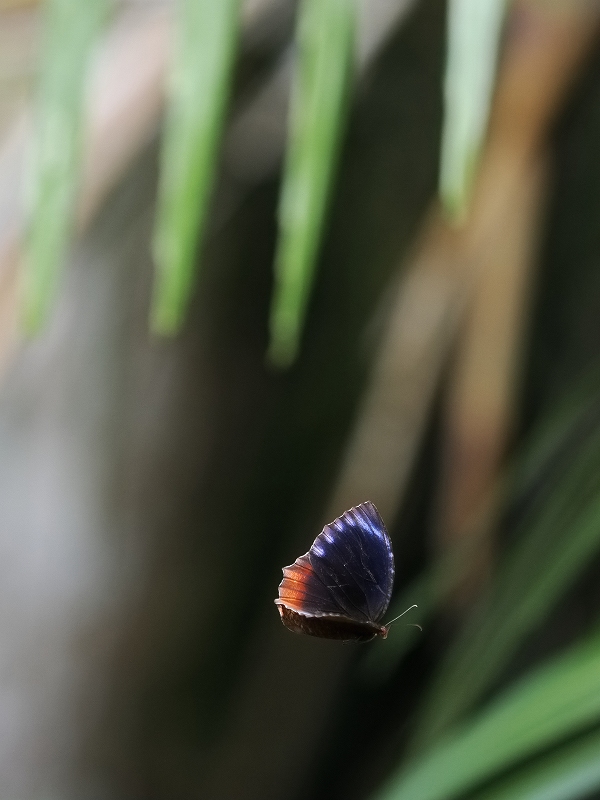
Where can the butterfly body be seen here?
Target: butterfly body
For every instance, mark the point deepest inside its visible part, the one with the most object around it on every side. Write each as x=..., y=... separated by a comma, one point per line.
x=341, y=588
x=331, y=627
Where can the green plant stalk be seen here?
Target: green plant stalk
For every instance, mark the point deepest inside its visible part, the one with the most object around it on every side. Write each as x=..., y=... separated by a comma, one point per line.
x=70, y=30
x=474, y=31
x=204, y=51
x=554, y=702
x=556, y=425
x=572, y=771
x=553, y=548
x=552, y=447
x=325, y=40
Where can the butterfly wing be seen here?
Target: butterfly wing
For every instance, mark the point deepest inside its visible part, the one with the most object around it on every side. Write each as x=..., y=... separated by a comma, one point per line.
x=302, y=591
x=352, y=557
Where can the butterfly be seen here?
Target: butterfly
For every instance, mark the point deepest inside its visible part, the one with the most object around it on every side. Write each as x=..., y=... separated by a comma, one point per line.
x=342, y=587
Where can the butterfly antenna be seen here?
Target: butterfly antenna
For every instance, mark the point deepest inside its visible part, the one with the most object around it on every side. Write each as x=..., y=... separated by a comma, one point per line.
x=391, y=622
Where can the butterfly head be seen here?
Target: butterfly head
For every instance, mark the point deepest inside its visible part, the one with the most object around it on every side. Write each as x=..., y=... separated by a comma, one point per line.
x=383, y=631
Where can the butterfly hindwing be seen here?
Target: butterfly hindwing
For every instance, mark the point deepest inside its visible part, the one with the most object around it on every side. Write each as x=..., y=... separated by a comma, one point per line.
x=302, y=591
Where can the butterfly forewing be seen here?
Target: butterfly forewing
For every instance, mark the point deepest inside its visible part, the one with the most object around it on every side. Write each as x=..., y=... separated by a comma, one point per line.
x=353, y=558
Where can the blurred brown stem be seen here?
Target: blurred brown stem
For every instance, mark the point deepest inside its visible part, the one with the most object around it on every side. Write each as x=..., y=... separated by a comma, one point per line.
x=466, y=288
x=544, y=49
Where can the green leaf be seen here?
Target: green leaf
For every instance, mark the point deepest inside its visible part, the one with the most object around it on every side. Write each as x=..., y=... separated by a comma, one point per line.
x=553, y=544
x=556, y=701
x=541, y=469
x=474, y=30
x=204, y=50
x=566, y=773
x=70, y=30
x=325, y=38
x=559, y=431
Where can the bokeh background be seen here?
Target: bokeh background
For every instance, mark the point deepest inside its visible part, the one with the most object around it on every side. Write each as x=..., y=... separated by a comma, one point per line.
x=224, y=322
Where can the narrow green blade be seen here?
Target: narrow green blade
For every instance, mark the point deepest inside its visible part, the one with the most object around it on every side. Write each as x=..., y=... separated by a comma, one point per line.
x=70, y=30
x=204, y=50
x=325, y=37
x=542, y=469
x=570, y=772
x=556, y=701
x=553, y=545
x=474, y=29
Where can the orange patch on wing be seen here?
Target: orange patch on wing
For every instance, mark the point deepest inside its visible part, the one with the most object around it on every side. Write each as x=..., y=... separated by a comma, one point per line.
x=294, y=589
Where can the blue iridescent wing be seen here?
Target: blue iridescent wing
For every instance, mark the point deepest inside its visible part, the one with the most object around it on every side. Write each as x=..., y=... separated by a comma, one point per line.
x=352, y=558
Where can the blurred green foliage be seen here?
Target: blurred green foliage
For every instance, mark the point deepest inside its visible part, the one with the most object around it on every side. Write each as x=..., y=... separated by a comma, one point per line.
x=325, y=44
x=70, y=32
x=203, y=54
x=474, y=730
x=474, y=32
x=557, y=700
